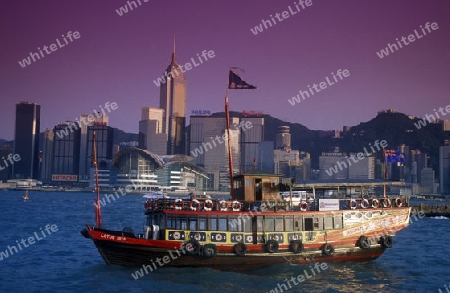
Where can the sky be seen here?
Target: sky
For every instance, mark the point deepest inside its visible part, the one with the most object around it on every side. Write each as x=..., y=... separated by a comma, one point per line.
x=116, y=58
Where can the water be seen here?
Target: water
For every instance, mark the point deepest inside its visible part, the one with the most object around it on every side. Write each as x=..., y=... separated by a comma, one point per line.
x=64, y=261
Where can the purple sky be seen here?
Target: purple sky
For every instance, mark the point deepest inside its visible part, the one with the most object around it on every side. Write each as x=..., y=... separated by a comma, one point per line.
x=117, y=58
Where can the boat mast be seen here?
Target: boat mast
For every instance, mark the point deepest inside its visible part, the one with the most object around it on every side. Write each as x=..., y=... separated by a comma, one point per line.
x=98, y=212
x=230, y=157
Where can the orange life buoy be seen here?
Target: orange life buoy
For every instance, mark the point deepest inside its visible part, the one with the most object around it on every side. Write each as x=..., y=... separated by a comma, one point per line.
x=178, y=204
x=303, y=206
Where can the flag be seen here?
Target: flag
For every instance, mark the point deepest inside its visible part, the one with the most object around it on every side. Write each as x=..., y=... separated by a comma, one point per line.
x=235, y=82
x=394, y=157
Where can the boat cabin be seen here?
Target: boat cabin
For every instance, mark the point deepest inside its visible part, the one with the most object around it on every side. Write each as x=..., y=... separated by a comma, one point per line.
x=257, y=185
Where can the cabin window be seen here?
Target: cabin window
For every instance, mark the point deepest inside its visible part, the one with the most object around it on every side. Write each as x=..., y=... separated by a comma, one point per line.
x=259, y=223
x=202, y=224
x=246, y=224
x=181, y=223
x=162, y=222
x=248, y=182
x=171, y=222
x=316, y=224
x=289, y=223
x=269, y=224
x=150, y=220
x=222, y=224
x=234, y=224
x=192, y=224
x=274, y=183
x=213, y=224
x=279, y=227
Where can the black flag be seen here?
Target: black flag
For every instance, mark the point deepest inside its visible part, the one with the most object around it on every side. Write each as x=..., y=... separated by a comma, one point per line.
x=235, y=82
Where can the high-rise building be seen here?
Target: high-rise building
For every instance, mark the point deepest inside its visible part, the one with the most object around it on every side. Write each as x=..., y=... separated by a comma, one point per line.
x=249, y=140
x=333, y=165
x=173, y=102
x=427, y=185
x=444, y=169
x=66, y=153
x=46, y=172
x=151, y=135
x=87, y=120
x=362, y=169
x=265, y=156
x=210, y=150
x=104, y=136
x=26, y=140
x=283, y=138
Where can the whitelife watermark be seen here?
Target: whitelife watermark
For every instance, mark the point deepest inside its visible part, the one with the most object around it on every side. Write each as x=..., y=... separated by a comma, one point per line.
x=86, y=121
x=322, y=85
x=53, y=47
x=124, y=9
x=317, y=269
x=359, y=156
x=11, y=158
x=165, y=260
x=281, y=16
x=188, y=66
x=431, y=118
x=11, y=250
x=447, y=289
x=244, y=125
x=411, y=38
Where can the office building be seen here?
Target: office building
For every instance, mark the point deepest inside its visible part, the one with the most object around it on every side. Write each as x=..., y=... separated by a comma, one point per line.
x=66, y=153
x=249, y=140
x=47, y=163
x=26, y=140
x=151, y=135
x=173, y=102
x=444, y=169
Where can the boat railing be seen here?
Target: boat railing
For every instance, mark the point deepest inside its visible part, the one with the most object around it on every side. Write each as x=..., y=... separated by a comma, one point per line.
x=274, y=205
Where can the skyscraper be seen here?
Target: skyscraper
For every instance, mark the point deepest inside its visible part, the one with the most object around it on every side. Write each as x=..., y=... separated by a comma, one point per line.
x=87, y=120
x=250, y=139
x=444, y=169
x=151, y=135
x=66, y=152
x=46, y=172
x=26, y=140
x=173, y=102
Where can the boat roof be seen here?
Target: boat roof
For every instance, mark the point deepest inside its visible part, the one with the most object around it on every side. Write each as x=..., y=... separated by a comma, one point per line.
x=317, y=184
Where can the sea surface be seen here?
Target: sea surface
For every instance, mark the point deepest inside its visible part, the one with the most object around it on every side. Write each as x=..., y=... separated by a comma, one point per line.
x=64, y=261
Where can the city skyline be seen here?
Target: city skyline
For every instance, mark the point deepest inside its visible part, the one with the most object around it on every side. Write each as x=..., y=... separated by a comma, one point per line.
x=111, y=58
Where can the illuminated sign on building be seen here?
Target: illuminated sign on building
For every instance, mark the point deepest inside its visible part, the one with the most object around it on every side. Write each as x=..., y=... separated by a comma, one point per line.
x=64, y=177
x=201, y=112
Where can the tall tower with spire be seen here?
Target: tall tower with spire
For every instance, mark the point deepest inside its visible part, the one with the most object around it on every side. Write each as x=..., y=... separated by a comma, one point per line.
x=173, y=100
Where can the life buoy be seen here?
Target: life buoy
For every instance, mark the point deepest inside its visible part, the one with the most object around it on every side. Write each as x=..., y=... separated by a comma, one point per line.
x=328, y=249
x=296, y=246
x=364, y=242
x=386, y=241
x=147, y=204
x=364, y=203
x=178, y=204
x=197, y=205
x=236, y=206
x=272, y=246
x=208, y=205
x=209, y=250
x=240, y=249
x=398, y=202
x=192, y=247
x=353, y=204
x=375, y=203
x=303, y=206
x=386, y=203
x=223, y=205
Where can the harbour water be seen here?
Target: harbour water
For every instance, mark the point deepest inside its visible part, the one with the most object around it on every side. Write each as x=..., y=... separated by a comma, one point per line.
x=62, y=260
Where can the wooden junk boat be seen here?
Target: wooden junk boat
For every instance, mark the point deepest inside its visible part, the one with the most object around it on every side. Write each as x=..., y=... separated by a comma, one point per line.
x=255, y=229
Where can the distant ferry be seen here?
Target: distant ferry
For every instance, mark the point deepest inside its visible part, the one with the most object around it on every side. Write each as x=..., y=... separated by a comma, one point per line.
x=258, y=228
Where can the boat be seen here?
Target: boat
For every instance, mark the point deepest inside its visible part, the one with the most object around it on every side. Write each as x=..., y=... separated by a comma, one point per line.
x=258, y=226
x=25, y=197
